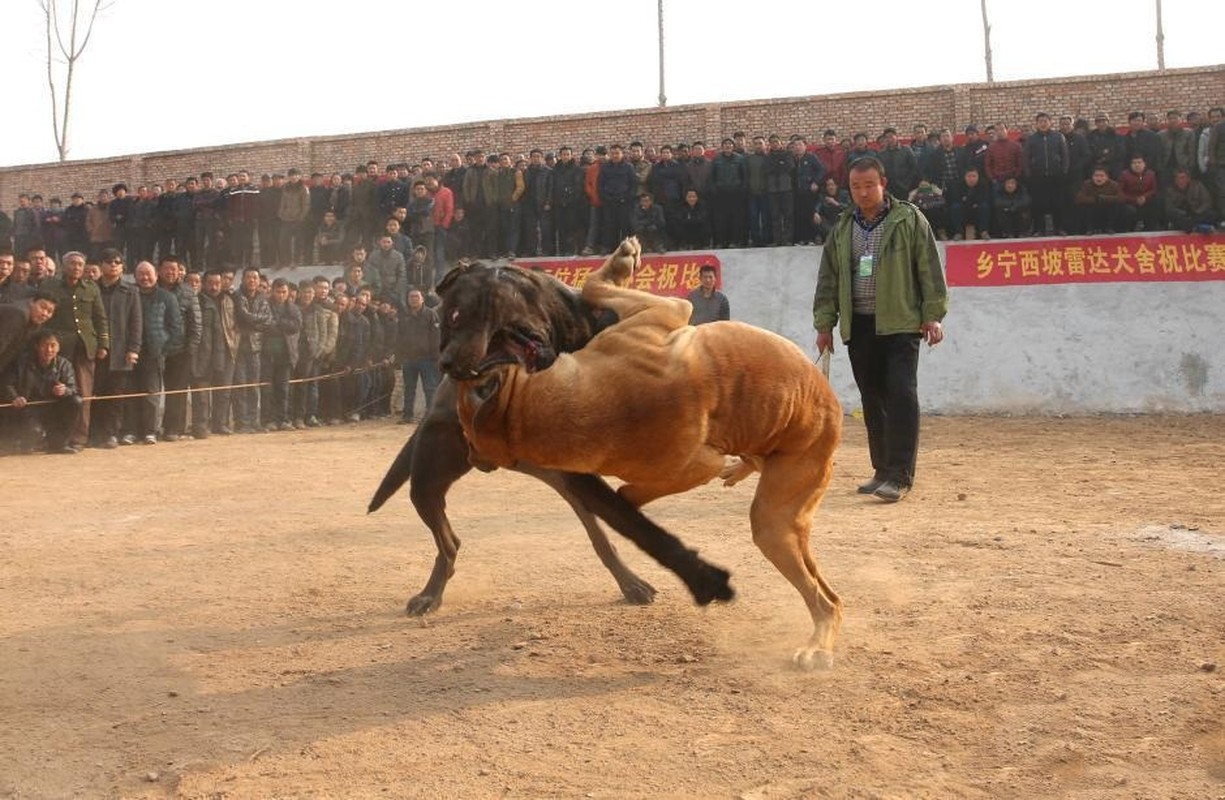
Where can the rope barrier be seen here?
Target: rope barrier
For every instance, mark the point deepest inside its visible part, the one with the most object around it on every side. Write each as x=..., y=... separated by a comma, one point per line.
x=130, y=395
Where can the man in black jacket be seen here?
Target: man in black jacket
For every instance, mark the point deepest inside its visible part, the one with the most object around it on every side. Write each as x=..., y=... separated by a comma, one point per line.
x=616, y=185
x=1044, y=163
x=568, y=203
x=45, y=378
x=417, y=347
x=252, y=317
x=123, y=314
x=177, y=375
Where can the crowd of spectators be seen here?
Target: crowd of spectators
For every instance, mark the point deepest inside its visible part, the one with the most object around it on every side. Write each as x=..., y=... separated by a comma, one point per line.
x=328, y=350
x=90, y=358
x=747, y=192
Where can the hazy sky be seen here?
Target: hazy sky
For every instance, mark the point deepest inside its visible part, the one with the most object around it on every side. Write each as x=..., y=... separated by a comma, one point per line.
x=169, y=74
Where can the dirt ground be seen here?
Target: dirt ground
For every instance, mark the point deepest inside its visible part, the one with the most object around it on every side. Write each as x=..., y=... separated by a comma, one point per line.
x=1042, y=617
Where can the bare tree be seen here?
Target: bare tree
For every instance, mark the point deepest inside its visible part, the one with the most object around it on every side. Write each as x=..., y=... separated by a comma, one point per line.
x=69, y=29
x=987, y=43
x=663, y=98
x=1160, y=39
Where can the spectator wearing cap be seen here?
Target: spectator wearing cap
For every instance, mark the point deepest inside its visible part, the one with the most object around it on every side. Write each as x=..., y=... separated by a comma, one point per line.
x=81, y=324
x=76, y=235
x=270, y=189
x=1107, y=147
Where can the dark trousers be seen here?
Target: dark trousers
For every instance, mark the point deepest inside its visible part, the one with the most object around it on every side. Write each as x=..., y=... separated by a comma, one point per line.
x=269, y=240
x=427, y=370
x=782, y=213
x=1046, y=197
x=219, y=399
x=304, y=397
x=176, y=377
x=1149, y=214
x=330, y=404
x=56, y=420
x=293, y=248
x=1100, y=218
x=805, y=229
x=108, y=414
x=570, y=229
x=274, y=398
x=240, y=239
x=1011, y=223
x=729, y=217
x=886, y=372
x=759, y=219
x=439, y=254
x=1186, y=221
x=246, y=401
x=147, y=377
x=614, y=222
x=508, y=225
x=483, y=227
x=976, y=214
x=537, y=231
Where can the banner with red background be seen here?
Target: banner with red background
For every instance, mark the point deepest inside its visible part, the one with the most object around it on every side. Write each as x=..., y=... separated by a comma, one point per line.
x=1029, y=262
x=668, y=275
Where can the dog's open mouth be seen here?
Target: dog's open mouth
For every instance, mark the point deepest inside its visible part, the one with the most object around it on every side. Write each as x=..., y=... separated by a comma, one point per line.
x=516, y=347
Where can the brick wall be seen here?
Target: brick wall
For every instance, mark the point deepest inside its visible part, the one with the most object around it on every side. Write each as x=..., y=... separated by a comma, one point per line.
x=955, y=106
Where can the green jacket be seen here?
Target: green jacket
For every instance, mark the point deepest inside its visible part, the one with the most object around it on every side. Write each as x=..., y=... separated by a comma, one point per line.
x=79, y=311
x=910, y=286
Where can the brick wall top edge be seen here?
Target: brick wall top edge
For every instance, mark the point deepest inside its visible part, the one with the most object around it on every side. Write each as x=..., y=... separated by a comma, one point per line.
x=483, y=128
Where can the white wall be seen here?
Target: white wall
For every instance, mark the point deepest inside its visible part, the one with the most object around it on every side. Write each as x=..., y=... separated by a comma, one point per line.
x=1056, y=349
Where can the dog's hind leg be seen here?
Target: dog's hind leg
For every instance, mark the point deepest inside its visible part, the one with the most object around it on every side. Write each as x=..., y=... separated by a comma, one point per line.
x=636, y=591
x=440, y=458
x=790, y=487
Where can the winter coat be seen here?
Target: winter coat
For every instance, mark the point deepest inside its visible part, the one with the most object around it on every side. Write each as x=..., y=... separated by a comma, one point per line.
x=124, y=319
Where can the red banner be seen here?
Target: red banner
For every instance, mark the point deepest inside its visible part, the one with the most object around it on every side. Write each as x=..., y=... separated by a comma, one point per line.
x=1029, y=262
x=668, y=275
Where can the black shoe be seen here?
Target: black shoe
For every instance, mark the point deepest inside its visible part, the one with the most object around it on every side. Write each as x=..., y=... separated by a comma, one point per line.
x=871, y=486
x=891, y=492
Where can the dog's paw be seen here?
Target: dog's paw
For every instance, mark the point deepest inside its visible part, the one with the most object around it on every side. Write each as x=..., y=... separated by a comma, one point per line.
x=810, y=659
x=711, y=583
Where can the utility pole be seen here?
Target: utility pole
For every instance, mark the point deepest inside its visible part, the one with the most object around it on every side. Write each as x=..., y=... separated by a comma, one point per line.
x=1160, y=40
x=987, y=42
x=663, y=98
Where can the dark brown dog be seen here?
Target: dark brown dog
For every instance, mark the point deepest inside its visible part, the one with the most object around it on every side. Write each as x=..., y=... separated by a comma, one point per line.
x=528, y=317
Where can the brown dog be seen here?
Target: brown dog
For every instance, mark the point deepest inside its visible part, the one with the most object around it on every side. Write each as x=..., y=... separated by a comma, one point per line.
x=660, y=404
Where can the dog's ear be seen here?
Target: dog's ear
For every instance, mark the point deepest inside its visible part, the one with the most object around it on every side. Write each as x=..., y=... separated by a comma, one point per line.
x=452, y=275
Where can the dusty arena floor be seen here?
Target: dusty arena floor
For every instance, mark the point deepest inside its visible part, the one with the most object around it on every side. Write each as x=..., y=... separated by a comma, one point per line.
x=1041, y=618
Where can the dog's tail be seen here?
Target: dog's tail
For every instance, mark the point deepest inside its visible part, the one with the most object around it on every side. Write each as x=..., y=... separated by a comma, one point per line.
x=397, y=475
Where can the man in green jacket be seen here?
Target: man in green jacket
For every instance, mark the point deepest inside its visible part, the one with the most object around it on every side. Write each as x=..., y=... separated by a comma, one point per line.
x=881, y=282
x=81, y=324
